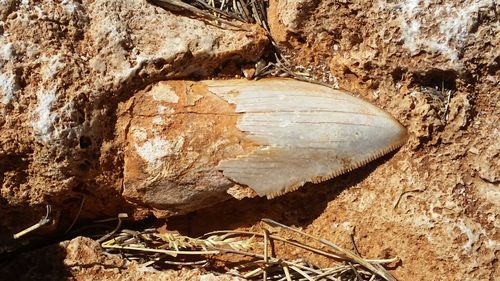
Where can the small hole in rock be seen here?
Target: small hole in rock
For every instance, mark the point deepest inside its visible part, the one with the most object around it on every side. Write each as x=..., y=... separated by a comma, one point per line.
x=84, y=166
x=437, y=79
x=159, y=64
x=397, y=74
x=85, y=142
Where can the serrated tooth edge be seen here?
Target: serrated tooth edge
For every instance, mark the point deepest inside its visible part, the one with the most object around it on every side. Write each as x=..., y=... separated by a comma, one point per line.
x=341, y=171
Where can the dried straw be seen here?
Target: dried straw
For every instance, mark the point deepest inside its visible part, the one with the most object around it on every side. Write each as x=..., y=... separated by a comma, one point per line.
x=150, y=246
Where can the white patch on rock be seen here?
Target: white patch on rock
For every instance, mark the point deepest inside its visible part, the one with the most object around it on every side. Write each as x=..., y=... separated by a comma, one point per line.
x=44, y=124
x=52, y=67
x=70, y=5
x=7, y=87
x=163, y=92
x=113, y=31
x=492, y=244
x=172, y=46
x=472, y=230
x=410, y=32
x=126, y=70
x=366, y=200
x=40, y=13
x=158, y=120
x=6, y=51
x=165, y=109
x=140, y=135
x=443, y=30
x=471, y=236
x=153, y=150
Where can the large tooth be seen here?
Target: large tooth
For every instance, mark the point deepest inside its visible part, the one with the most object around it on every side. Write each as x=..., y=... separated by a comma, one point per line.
x=187, y=143
x=306, y=133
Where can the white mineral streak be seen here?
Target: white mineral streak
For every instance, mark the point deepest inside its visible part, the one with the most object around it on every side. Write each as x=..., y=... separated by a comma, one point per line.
x=44, y=123
x=7, y=88
x=6, y=51
x=308, y=133
x=52, y=66
x=156, y=148
x=163, y=92
x=441, y=28
x=44, y=118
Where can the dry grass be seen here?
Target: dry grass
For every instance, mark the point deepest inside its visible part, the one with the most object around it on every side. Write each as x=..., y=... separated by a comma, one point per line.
x=150, y=248
x=225, y=11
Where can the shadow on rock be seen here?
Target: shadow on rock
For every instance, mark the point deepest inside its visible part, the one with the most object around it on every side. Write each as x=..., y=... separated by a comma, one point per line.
x=299, y=208
x=45, y=263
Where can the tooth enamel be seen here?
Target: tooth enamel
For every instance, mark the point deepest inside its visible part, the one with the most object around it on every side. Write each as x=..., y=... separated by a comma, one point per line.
x=326, y=133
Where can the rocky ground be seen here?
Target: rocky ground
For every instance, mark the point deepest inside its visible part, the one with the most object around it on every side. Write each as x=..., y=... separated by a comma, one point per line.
x=66, y=69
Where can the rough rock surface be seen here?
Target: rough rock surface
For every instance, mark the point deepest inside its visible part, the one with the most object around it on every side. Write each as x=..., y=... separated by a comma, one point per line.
x=65, y=67
x=435, y=66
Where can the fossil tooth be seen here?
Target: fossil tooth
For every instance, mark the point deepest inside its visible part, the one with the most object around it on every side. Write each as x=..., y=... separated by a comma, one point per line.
x=307, y=133
x=272, y=135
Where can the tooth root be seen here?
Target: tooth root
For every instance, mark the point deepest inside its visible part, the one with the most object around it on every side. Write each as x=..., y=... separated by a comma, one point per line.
x=306, y=133
x=188, y=141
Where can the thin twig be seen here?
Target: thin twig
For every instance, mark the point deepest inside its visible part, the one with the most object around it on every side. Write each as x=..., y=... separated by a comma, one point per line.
x=45, y=220
x=200, y=262
x=287, y=273
x=121, y=216
x=293, y=243
x=161, y=251
x=403, y=193
x=82, y=201
x=446, y=107
x=266, y=237
x=253, y=273
x=355, y=248
x=299, y=271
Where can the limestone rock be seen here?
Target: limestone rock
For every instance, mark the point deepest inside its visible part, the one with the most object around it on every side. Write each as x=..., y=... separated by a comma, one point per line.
x=434, y=66
x=407, y=57
x=65, y=67
x=488, y=163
